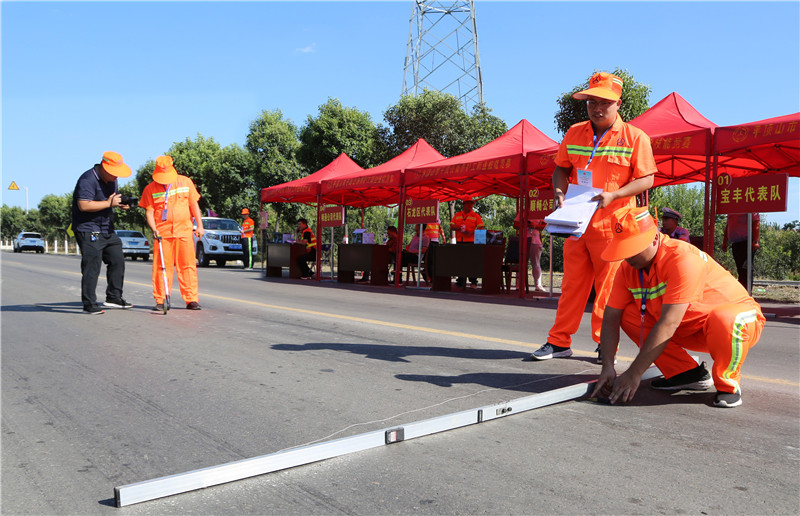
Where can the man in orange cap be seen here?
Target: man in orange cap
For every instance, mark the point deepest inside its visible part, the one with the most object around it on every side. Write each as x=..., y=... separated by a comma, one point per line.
x=603, y=152
x=93, y=201
x=248, y=226
x=170, y=203
x=464, y=224
x=668, y=296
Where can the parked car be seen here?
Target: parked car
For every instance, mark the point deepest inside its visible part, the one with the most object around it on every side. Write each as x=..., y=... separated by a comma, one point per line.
x=134, y=244
x=29, y=241
x=221, y=242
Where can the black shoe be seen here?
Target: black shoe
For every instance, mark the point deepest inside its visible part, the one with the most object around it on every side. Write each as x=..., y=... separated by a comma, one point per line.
x=160, y=308
x=727, y=399
x=549, y=351
x=194, y=305
x=117, y=303
x=93, y=310
x=697, y=379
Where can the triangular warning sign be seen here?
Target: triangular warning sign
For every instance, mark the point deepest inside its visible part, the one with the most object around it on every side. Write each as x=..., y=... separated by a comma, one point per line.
x=13, y=186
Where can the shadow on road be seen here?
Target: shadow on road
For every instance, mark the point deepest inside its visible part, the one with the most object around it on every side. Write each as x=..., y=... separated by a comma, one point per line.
x=391, y=353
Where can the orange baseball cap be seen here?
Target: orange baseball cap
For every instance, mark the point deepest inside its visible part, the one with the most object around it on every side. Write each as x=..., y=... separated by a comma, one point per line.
x=602, y=84
x=112, y=163
x=164, y=172
x=245, y=211
x=633, y=230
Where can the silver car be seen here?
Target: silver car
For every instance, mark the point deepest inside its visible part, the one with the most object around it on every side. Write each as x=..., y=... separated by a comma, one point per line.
x=134, y=244
x=29, y=241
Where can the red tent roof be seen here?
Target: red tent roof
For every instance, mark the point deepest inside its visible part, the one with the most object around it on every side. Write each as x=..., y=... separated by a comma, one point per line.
x=765, y=146
x=378, y=185
x=494, y=168
x=307, y=188
x=681, y=139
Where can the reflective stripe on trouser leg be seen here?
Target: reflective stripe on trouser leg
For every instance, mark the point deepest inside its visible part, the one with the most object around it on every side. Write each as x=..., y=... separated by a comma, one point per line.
x=583, y=268
x=674, y=359
x=731, y=331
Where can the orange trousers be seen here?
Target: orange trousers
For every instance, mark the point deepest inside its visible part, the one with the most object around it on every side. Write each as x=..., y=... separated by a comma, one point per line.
x=727, y=335
x=583, y=267
x=178, y=253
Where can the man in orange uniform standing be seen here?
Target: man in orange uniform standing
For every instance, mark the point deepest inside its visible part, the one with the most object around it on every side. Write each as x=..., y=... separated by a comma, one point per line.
x=668, y=296
x=603, y=152
x=247, y=240
x=170, y=203
x=464, y=224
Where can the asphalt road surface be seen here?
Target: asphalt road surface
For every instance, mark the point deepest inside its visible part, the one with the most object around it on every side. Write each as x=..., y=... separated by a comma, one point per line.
x=90, y=403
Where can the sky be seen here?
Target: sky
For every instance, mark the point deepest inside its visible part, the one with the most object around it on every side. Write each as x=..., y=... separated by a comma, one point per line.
x=80, y=78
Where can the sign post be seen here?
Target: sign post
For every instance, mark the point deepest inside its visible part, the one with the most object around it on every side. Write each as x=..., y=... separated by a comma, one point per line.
x=752, y=194
x=419, y=211
x=13, y=186
x=331, y=216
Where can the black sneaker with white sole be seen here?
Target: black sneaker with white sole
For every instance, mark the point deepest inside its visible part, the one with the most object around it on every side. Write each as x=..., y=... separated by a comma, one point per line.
x=549, y=351
x=117, y=303
x=696, y=379
x=93, y=310
x=727, y=399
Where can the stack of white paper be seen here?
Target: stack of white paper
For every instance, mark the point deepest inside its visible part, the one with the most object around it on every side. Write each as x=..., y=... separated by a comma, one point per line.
x=573, y=217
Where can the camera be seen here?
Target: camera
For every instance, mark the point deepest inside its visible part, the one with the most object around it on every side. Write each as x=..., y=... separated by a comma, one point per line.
x=128, y=200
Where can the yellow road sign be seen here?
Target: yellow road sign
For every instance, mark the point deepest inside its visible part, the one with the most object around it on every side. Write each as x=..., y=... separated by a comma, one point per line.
x=13, y=186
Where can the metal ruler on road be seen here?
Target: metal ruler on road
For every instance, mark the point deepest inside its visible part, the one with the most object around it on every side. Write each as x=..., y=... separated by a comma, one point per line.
x=198, y=479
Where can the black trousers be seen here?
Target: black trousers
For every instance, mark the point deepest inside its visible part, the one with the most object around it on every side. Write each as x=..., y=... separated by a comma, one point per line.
x=303, y=259
x=739, y=252
x=95, y=251
x=247, y=252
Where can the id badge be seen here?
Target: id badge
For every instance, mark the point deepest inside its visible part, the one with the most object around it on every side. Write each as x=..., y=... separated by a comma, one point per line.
x=584, y=177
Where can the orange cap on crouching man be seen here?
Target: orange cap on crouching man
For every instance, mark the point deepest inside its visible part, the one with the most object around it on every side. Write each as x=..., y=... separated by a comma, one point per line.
x=633, y=230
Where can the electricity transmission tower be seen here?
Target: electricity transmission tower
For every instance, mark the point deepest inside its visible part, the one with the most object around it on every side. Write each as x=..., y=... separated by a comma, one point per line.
x=442, y=52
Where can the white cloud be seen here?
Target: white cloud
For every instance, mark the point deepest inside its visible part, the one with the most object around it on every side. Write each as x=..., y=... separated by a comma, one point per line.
x=307, y=49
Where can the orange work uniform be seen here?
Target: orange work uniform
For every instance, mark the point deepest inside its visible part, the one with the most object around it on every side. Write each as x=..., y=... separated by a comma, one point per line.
x=722, y=319
x=432, y=231
x=623, y=154
x=471, y=221
x=248, y=225
x=175, y=228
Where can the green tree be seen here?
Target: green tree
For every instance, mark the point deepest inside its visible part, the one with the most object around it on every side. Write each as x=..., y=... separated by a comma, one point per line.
x=635, y=101
x=335, y=130
x=435, y=116
x=273, y=144
x=13, y=221
x=686, y=199
x=55, y=214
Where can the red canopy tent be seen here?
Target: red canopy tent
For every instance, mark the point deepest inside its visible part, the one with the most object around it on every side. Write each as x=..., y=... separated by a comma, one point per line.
x=499, y=167
x=763, y=147
x=496, y=168
x=377, y=185
x=306, y=189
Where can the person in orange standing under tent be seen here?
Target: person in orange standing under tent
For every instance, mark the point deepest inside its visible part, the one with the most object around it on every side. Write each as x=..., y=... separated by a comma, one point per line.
x=306, y=236
x=170, y=203
x=668, y=296
x=603, y=152
x=464, y=223
x=248, y=226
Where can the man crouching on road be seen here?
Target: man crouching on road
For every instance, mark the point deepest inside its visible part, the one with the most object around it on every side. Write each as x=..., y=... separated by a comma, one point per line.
x=669, y=297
